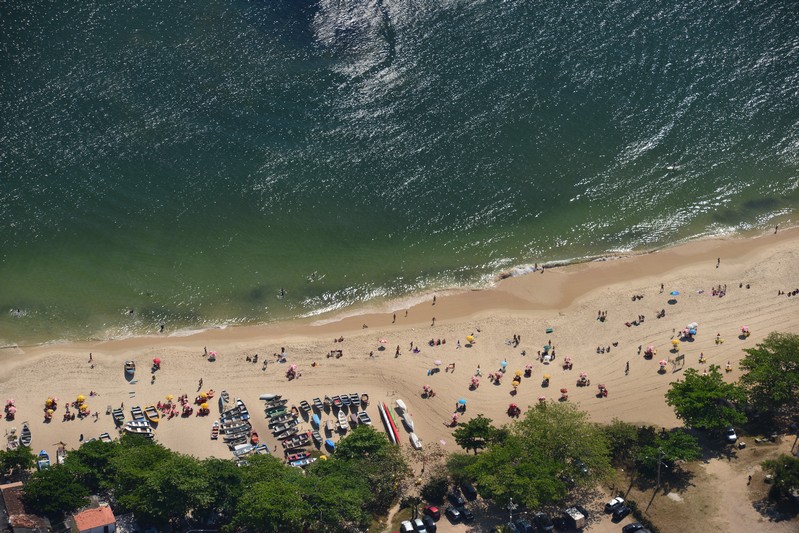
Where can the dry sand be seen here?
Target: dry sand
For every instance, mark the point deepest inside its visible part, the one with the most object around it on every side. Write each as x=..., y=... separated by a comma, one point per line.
x=565, y=299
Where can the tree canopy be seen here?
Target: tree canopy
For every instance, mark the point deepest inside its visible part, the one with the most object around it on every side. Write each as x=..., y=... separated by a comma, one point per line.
x=785, y=469
x=771, y=373
x=16, y=461
x=475, y=434
x=669, y=447
x=707, y=401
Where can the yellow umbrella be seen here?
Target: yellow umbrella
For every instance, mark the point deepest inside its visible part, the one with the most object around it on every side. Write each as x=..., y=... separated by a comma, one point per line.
x=49, y=411
x=470, y=338
x=203, y=395
x=547, y=376
x=83, y=407
x=323, y=457
x=203, y=406
x=518, y=373
x=169, y=397
x=81, y=398
x=675, y=342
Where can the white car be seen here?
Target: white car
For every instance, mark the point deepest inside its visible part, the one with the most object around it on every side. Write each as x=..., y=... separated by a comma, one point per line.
x=614, y=504
x=406, y=527
x=730, y=435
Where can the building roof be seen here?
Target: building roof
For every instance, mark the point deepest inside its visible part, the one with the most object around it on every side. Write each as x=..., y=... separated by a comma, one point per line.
x=18, y=517
x=92, y=518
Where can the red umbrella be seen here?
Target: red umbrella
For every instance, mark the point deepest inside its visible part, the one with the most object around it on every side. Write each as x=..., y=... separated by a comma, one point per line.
x=156, y=361
x=564, y=390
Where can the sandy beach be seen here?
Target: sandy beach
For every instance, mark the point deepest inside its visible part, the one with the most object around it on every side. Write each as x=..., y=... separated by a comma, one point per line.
x=566, y=299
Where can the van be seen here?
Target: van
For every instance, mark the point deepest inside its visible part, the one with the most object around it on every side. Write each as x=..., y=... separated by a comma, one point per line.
x=574, y=518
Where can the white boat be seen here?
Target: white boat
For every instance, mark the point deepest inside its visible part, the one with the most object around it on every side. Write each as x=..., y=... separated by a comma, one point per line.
x=243, y=449
x=267, y=397
x=387, y=423
x=43, y=461
x=401, y=406
x=105, y=437
x=130, y=367
x=215, y=430
x=343, y=425
x=139, y=427
x=60, y=455
x=25, y=437
x=406, y=417
x=415, y=442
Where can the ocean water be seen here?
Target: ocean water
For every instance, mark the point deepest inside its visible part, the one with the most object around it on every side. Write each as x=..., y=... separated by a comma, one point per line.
x=182, y=163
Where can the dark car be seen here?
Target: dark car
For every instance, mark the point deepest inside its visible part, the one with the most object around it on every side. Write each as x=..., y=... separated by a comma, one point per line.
x=620, y=512
x=524, y=526
x=469, y=491
x=453, y=514
x=582, y=510
x=466, y=514
x=429, y=523
x=432, y=511
x=632, y=528
x=543, y=522
x=456, y=499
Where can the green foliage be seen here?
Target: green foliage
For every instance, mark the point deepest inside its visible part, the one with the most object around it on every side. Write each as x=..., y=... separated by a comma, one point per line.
x=707, y=401
x=771, y=372
x=56, y=491
x=785, y=469
x=670, y=447
x=272, y=505
x=92, y=463
x=436, y=487
x=458, y=465
x=227, y=481
x=475, y=434
x=623, y=440
x=552, y=448
x=363, y=442
x=14, y=462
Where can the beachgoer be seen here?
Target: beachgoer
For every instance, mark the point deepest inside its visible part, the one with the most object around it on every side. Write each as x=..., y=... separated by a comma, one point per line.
x=749, y=481
x=434, y=299
x=718, y=262
x=627, y=368
x=406, y=313
x=200, y=386
x=434, y=321
x=205, y=348
x=775, y=232
x=395, y=318
x=90, y=357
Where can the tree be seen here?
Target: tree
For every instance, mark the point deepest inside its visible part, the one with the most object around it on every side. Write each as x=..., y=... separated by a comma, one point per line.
x=786, y=476
x=272, y=506
x=622, y=439
x=56, y=491
x=178, y=488
x=14, y=462
x=92, y=463
x=707, y=401
x=228, y=487
x=771, y=372
x=670, y=447
x=475, y=434
x=552, y=448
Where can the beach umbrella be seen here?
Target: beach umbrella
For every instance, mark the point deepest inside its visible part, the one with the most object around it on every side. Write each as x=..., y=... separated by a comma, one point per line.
x=692, y=331
x=49, y=411
x=169, y=397
x=518, y=373
x=203, y=395
x=744, y=328
x=462, y=401
x=81, y=398
x=293, y=367
x=547, y=376
x=83, y=407
x=212, y=353
x=503, y=364
x=437, y=362
x=675, y=342
x=156, y=361
x=564, y=390
x=583, y=374
x=547, y=347
x=693, y=325
x=203, y=406
x=383, y=341
x=663, y=362
x=470, y=338
x=542, y=398
x=675, y=293
x=12, y=410
x=10, y=401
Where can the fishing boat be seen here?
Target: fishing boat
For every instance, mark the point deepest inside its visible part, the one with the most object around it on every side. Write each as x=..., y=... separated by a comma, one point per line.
x=152, y=414
x=139, y=427
x=295, y=411
x=317, y=405
x=243, y=449
x=330, y=427
x=13, y=442
x=280, y=428
x=337, y=402
x=236, y=440
x=268, y=396
x=43, y=460
x=279, y=414
x=406, y=417
x=415, y=442
x=328, y=402
x=401, y=406
x=274, y=409
x=136, y=413
x=280, y=419
x=25, y=437
x=297, y=456
x=303, y=462
x=364, y=399
x=342, y=421
x=345, y=400
x=364, y=418
x=315, y=422
x=254, y=438
x=118, y=416
x=275, y=403
x=297, y=441
x=242, y=436
x=105, y=437
x=130, y=368
x=331, y=445
x=60, y=455
x=317, y=437
x=305, y=406
x=242, y=427
x=235, y=417
x=215, y=430
x=290, y=432
x=224, y=400
x=355, y=399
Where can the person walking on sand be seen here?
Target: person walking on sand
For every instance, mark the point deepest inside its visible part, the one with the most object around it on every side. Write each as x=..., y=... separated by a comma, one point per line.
x=718, y=262
x=200, y=385
x=434, y=299
x=205, y=349
x=627, y=368
x=395, y=319
x=434, y=322
x=90, y=357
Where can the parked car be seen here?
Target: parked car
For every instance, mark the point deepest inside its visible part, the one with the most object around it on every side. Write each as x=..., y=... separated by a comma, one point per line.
x=418, y=526
x=429, y=523
x=524, y=526
x=453, y=514
x=432, y=511
x=466, y=514
x=730, y=435
x=543, y=522
x=573, y=518
x=469, y=491
x=583, y=510
x=620, y=512
x=406, y=527
x=456, y=499
x=632, y=528
x=614, y=504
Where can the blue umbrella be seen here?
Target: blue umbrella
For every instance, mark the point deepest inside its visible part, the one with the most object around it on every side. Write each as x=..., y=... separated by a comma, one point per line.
x=462, y=401
x=692, y=331
x=503, y=364
x=674, y=293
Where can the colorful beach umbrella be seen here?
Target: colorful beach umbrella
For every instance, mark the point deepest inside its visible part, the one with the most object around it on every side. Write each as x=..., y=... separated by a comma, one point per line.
x=169, y=397
x=663, y=362
x=203, y=406
x=383, y=341
x=81, y=398
x=675, y=293
x=462, y=401
x=437, y=362
x=156, y=361
x=470, y=338
x=675, y=342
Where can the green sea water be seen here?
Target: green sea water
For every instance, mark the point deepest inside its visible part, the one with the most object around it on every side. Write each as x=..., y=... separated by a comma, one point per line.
x=185, y=163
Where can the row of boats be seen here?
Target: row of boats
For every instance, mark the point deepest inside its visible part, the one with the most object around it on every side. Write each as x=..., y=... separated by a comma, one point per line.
x=392, y=427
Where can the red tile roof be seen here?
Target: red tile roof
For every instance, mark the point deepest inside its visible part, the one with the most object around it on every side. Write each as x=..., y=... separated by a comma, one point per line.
x=92, y=518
